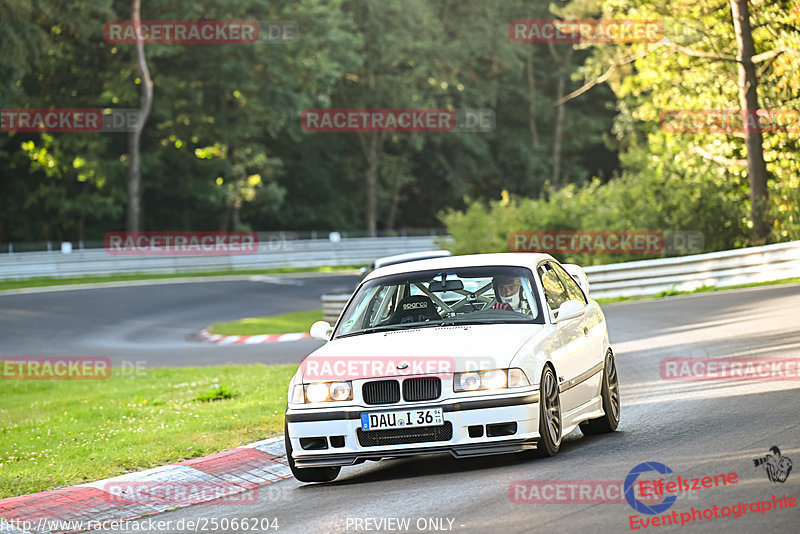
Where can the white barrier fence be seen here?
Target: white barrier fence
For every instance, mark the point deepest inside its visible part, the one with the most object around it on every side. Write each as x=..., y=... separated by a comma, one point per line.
x=635, y=278
x=271, y=254
x=686, y=273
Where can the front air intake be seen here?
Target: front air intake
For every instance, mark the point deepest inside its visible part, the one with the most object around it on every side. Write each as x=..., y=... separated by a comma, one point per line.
x=421, y=389
x=381, y=392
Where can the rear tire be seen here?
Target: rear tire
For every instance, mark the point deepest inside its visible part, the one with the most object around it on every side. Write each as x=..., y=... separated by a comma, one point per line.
x=611, y=405
x=308, y=474
x=550, y=424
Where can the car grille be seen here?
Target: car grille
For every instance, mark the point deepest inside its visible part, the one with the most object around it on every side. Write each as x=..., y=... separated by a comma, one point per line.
x=421, y=389
x=381, y=392
x=404, y=436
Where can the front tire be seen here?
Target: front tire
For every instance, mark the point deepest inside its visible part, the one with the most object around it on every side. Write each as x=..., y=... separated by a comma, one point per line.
x=550, y=425
x=308, y=474
x=611, y=405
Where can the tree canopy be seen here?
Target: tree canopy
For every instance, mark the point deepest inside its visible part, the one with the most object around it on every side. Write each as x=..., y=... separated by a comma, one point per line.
x=580, y=140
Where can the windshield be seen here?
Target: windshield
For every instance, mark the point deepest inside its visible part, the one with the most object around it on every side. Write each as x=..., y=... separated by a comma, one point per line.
x=467, y=295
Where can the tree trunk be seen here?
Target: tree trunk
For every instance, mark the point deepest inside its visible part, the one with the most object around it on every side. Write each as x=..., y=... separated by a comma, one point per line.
x=371, y=187
x=225, y=218
x=532, y=99
x=371, y=144
x=558, y=134
x=753, y=140
x=395, y=202
x=558, y=126
x=134, y=138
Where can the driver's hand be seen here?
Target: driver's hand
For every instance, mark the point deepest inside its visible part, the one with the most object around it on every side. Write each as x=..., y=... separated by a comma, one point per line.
x=502, y=306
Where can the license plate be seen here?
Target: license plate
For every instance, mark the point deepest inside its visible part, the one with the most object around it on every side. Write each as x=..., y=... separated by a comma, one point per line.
x=402, y=419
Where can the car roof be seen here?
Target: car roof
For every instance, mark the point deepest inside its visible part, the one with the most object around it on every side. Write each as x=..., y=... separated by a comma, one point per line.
x=513, y=259
x=410, y=256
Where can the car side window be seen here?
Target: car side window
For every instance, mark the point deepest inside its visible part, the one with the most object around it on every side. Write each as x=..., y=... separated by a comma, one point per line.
x=381, y=306
x=573, y=289
x=554, y=292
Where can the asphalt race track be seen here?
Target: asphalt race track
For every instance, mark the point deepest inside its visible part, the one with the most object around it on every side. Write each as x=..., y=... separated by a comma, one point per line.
x=696, y=428
x=153, y=324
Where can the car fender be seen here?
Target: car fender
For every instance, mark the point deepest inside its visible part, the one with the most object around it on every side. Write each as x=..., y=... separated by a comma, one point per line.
x=535, y=353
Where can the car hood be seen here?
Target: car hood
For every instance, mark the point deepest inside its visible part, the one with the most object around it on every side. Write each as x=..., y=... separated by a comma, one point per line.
x=451, y=348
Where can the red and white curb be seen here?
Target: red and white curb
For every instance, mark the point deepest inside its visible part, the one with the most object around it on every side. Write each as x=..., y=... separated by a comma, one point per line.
x=250, y=340
x=79, y=507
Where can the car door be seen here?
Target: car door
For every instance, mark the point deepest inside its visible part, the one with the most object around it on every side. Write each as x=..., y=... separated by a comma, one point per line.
x=573, y=358
x=593, y=327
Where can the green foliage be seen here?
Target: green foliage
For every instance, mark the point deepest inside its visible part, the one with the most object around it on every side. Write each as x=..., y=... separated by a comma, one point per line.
x=669, y=181
x=630, y=202
x=219, y=392
x=667, y=77
x=223, y=147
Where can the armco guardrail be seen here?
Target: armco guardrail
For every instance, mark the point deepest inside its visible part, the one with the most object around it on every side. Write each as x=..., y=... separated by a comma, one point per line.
x=685, y=273
x=332, y=306
x=271, y=254
x=648, y=277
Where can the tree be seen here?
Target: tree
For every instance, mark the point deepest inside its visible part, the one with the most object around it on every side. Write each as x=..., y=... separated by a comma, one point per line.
x=135, y=178
x=692, y=68
x=748, y=101
x=395, y=69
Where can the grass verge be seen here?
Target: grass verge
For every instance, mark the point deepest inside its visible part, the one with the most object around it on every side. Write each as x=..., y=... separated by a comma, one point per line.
x=703, y=289
x=50, y=281
x=56, y=433
x=285, y=323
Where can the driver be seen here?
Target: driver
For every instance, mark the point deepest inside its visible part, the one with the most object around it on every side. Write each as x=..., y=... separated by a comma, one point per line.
x=508, y=293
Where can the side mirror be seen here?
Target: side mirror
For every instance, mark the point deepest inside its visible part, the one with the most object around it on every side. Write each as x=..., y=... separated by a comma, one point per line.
x=321, y=330
x=569, y=310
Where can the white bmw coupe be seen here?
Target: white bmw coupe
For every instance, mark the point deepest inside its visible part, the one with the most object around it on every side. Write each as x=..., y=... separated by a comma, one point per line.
x=469, y=355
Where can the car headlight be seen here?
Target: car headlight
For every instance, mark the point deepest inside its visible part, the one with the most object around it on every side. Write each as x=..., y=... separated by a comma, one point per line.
x=323, y=392
x=492, y=379
x=298, y=395
x=517, y=378
x=466, y=381
x=341, y=391
x=317, y=392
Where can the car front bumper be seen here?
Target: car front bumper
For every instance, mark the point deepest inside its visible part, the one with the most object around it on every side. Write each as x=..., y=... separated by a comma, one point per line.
x=488, y=412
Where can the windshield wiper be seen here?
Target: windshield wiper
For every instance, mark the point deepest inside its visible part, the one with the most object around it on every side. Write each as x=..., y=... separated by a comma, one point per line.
x=451, y=322
x=475, y=321
x=384, y=328
x=392, y=327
